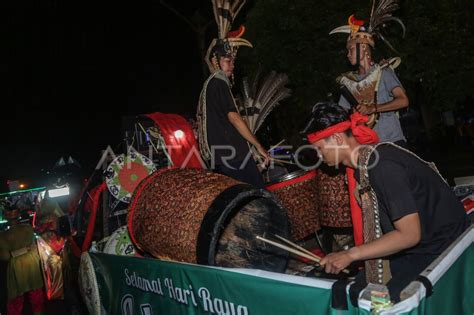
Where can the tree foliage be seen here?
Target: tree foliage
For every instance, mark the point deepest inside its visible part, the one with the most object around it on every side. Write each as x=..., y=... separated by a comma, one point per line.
x=292, y=37
x=437, y=50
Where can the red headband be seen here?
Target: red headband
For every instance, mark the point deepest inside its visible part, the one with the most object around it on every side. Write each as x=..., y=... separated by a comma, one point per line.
x=362, y=133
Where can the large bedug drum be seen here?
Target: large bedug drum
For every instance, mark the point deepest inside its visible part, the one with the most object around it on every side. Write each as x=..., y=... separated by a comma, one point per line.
x=298, y=192
x=197, y=216
x=333, y=200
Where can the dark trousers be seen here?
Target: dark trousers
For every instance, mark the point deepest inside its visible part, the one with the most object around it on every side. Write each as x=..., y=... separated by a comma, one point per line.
x=405, y=269
x=247, y=173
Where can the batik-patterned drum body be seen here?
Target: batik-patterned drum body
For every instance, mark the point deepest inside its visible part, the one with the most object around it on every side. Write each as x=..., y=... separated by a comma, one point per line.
x=298, y=192
x=333, y=200
x=197, y=216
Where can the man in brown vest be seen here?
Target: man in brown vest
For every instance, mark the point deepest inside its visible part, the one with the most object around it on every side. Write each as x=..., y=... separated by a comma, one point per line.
x=373, y=89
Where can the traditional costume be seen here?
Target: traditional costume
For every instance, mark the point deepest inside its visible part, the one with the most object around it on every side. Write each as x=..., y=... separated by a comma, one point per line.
x=220, y=144
x=372, y=88
x=393, y=182
x=375, y=87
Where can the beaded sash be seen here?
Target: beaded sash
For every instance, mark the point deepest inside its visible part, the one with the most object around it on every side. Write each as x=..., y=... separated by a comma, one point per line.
x=374, y=268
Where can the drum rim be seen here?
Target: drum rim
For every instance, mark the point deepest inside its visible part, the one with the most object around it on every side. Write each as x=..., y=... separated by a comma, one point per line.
x=288, y=176
x=87, y=266
x=213, y=222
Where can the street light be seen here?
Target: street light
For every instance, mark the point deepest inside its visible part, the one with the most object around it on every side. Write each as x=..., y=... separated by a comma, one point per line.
x=59, y=192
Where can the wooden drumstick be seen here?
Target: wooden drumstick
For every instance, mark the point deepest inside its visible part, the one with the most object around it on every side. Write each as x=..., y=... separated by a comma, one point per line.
x=281, y=161
x=311, y=256
x=276, y=145
x=291, y=250
x=298, y=247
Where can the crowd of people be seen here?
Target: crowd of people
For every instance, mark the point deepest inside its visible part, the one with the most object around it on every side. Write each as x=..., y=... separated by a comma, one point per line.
x=19, y=254
x=31, y=251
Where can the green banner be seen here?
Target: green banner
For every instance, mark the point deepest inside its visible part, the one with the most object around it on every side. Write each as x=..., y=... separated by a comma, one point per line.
x=452, y=294
x=148, y=286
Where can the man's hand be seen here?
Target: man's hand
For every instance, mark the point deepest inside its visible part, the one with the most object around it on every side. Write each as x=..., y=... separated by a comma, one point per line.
x=263, y=153
x=335, y=262
x=239, y=124
x=366, y=109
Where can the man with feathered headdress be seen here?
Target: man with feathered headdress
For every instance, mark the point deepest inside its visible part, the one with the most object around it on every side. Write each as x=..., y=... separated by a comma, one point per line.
x=373, y=89
x=224, y=136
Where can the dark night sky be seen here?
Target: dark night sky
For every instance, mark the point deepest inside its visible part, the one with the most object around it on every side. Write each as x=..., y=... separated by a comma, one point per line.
x=71, y=69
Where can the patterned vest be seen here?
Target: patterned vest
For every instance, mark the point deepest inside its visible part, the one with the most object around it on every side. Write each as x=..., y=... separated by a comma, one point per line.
x=365, y=90
x=201, y=116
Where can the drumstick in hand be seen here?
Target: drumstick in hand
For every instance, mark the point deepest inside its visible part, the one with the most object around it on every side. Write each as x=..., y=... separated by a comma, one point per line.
x=288, y=249
x=298, y=247
x=303, y=249
x=311, y=256
x=281, y=161
x=276, y=145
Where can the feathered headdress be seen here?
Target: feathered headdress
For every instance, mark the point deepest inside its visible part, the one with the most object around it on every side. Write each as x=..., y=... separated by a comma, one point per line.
x=261, y=97
x=227, y=42
x=380, y=15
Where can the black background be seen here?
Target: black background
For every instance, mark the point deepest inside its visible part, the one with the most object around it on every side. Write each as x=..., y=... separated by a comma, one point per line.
x=71, y=69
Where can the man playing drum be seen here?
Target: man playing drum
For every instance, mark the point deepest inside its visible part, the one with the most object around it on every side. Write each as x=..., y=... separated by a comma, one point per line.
x=409, y=213
x=224, y=137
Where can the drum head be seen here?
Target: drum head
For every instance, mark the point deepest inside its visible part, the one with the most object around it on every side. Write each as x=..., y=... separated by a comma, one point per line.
x=126, y=172
x=273, y=173
x=88, y=284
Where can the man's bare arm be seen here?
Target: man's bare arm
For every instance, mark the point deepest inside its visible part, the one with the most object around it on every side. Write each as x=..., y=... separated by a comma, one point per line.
x=407, y=234
x=400, y=100
x=239, y=124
